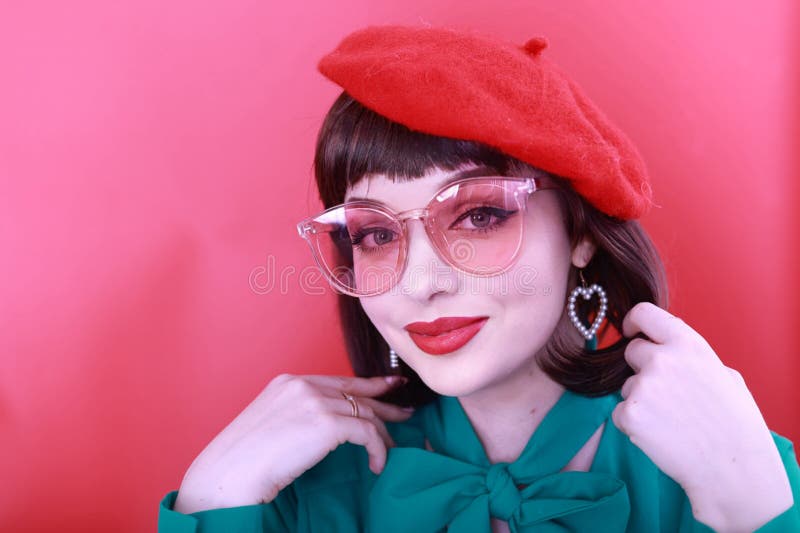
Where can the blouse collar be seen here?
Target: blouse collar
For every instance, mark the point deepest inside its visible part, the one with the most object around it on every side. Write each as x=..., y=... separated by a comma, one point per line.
x=563, y=431
x=456, y=487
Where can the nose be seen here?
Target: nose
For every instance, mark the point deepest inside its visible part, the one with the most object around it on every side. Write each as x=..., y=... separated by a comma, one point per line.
x=426, y=274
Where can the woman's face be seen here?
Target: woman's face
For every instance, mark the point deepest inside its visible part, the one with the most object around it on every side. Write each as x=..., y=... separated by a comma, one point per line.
x=523, y=305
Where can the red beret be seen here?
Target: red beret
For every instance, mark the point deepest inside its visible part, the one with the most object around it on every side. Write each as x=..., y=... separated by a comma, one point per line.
x=469, y=86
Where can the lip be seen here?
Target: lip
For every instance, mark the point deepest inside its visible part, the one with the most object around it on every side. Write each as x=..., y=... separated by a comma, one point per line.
x=445, y=334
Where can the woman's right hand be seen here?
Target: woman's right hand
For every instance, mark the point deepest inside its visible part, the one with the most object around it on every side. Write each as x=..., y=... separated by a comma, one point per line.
x=289, y=427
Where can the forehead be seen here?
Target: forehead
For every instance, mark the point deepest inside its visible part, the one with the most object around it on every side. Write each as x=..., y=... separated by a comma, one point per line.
x=409, y=194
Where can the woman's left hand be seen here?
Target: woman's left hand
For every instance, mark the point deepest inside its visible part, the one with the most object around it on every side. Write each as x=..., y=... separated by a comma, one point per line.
x=697, y=421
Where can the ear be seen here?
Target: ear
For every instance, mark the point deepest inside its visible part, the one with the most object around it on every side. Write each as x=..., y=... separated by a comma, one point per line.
x=583, y=252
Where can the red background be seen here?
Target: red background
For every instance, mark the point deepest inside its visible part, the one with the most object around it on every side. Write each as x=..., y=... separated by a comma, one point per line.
x=155, y=155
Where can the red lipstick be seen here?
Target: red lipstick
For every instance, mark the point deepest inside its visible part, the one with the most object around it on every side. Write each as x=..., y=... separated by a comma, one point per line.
x=446, y=334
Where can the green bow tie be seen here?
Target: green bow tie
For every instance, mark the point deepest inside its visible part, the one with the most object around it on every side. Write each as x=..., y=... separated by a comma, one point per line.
x=422, y=491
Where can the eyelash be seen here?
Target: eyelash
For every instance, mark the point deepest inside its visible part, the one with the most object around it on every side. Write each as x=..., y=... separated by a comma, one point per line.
x=502, y=216
x=357, y=237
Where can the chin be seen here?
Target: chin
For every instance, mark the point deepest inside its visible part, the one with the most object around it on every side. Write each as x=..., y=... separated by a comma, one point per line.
x=446, y=380
x=450, y=388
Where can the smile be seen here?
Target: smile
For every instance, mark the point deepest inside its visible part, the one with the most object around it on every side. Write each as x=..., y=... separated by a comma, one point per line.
x=445, y=334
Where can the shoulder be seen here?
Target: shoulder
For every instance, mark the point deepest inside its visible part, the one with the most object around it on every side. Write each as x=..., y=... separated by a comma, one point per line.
x=345, y=464
x=333, y=494
x=617, y=454
x=654, y=496
x=349, y=463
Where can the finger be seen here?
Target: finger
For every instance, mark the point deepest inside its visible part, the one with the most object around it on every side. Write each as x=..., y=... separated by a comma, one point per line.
x=618, y=417
x=658, y=324
x=343, y=407
x=638, y=353
x=387, y=411
x=383, y=410
x=364, y=433
x=388, y=441
x=627, y=387
x=358, y=386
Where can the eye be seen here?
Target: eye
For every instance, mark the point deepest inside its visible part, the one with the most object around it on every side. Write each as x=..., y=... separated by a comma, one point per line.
x=372, y=238
x=482, y=218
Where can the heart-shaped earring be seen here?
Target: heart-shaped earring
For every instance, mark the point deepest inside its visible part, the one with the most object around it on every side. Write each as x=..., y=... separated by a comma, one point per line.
x=587, y=292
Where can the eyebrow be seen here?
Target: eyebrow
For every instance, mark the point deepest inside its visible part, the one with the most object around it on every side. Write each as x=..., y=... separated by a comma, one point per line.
x=483, y=170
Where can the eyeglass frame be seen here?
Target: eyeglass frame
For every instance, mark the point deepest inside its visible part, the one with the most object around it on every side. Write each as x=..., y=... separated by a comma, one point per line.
x=528, y=186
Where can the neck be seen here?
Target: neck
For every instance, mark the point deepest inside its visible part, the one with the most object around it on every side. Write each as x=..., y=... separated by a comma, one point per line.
x=506, y=414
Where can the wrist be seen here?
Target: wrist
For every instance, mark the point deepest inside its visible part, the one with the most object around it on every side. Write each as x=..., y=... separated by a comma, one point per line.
x=743, y=497
x=196, y=495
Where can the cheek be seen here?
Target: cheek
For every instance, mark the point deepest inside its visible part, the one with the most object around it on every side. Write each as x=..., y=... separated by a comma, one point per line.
x=538, y=281
x=379, y=310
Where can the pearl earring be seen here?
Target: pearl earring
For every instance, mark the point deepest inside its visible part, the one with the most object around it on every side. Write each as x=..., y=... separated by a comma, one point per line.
x=588, y=333
x=394, y=362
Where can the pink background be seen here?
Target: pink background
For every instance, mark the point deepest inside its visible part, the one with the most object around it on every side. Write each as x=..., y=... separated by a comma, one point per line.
x=155, y=155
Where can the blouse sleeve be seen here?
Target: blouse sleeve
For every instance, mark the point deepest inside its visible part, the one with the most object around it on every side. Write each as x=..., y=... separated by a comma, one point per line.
x=789, y=520
x=279, y=515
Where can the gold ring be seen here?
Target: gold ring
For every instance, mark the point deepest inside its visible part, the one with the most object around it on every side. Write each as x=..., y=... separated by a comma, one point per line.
x=353, y=403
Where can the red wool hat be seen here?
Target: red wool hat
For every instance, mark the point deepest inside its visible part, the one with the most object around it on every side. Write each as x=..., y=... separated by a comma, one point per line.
x=473, y=87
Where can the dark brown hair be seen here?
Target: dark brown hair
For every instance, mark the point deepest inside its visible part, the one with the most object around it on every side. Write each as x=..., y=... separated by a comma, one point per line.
x=355, y=141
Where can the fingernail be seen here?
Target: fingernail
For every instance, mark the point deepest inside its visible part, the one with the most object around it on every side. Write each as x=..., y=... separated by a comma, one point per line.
x=408, y=409
x=393, y=380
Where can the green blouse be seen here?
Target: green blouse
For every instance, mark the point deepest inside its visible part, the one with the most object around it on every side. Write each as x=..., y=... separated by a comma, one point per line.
x=455, y=487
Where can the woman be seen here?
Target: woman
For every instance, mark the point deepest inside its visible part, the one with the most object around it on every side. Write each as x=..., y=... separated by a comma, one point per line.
x=480, y=225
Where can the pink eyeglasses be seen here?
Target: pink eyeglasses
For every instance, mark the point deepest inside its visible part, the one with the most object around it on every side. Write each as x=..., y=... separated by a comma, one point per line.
x=475, y=225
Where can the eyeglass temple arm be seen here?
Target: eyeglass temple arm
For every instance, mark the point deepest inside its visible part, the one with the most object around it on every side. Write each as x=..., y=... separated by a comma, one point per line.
x=305, y=227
